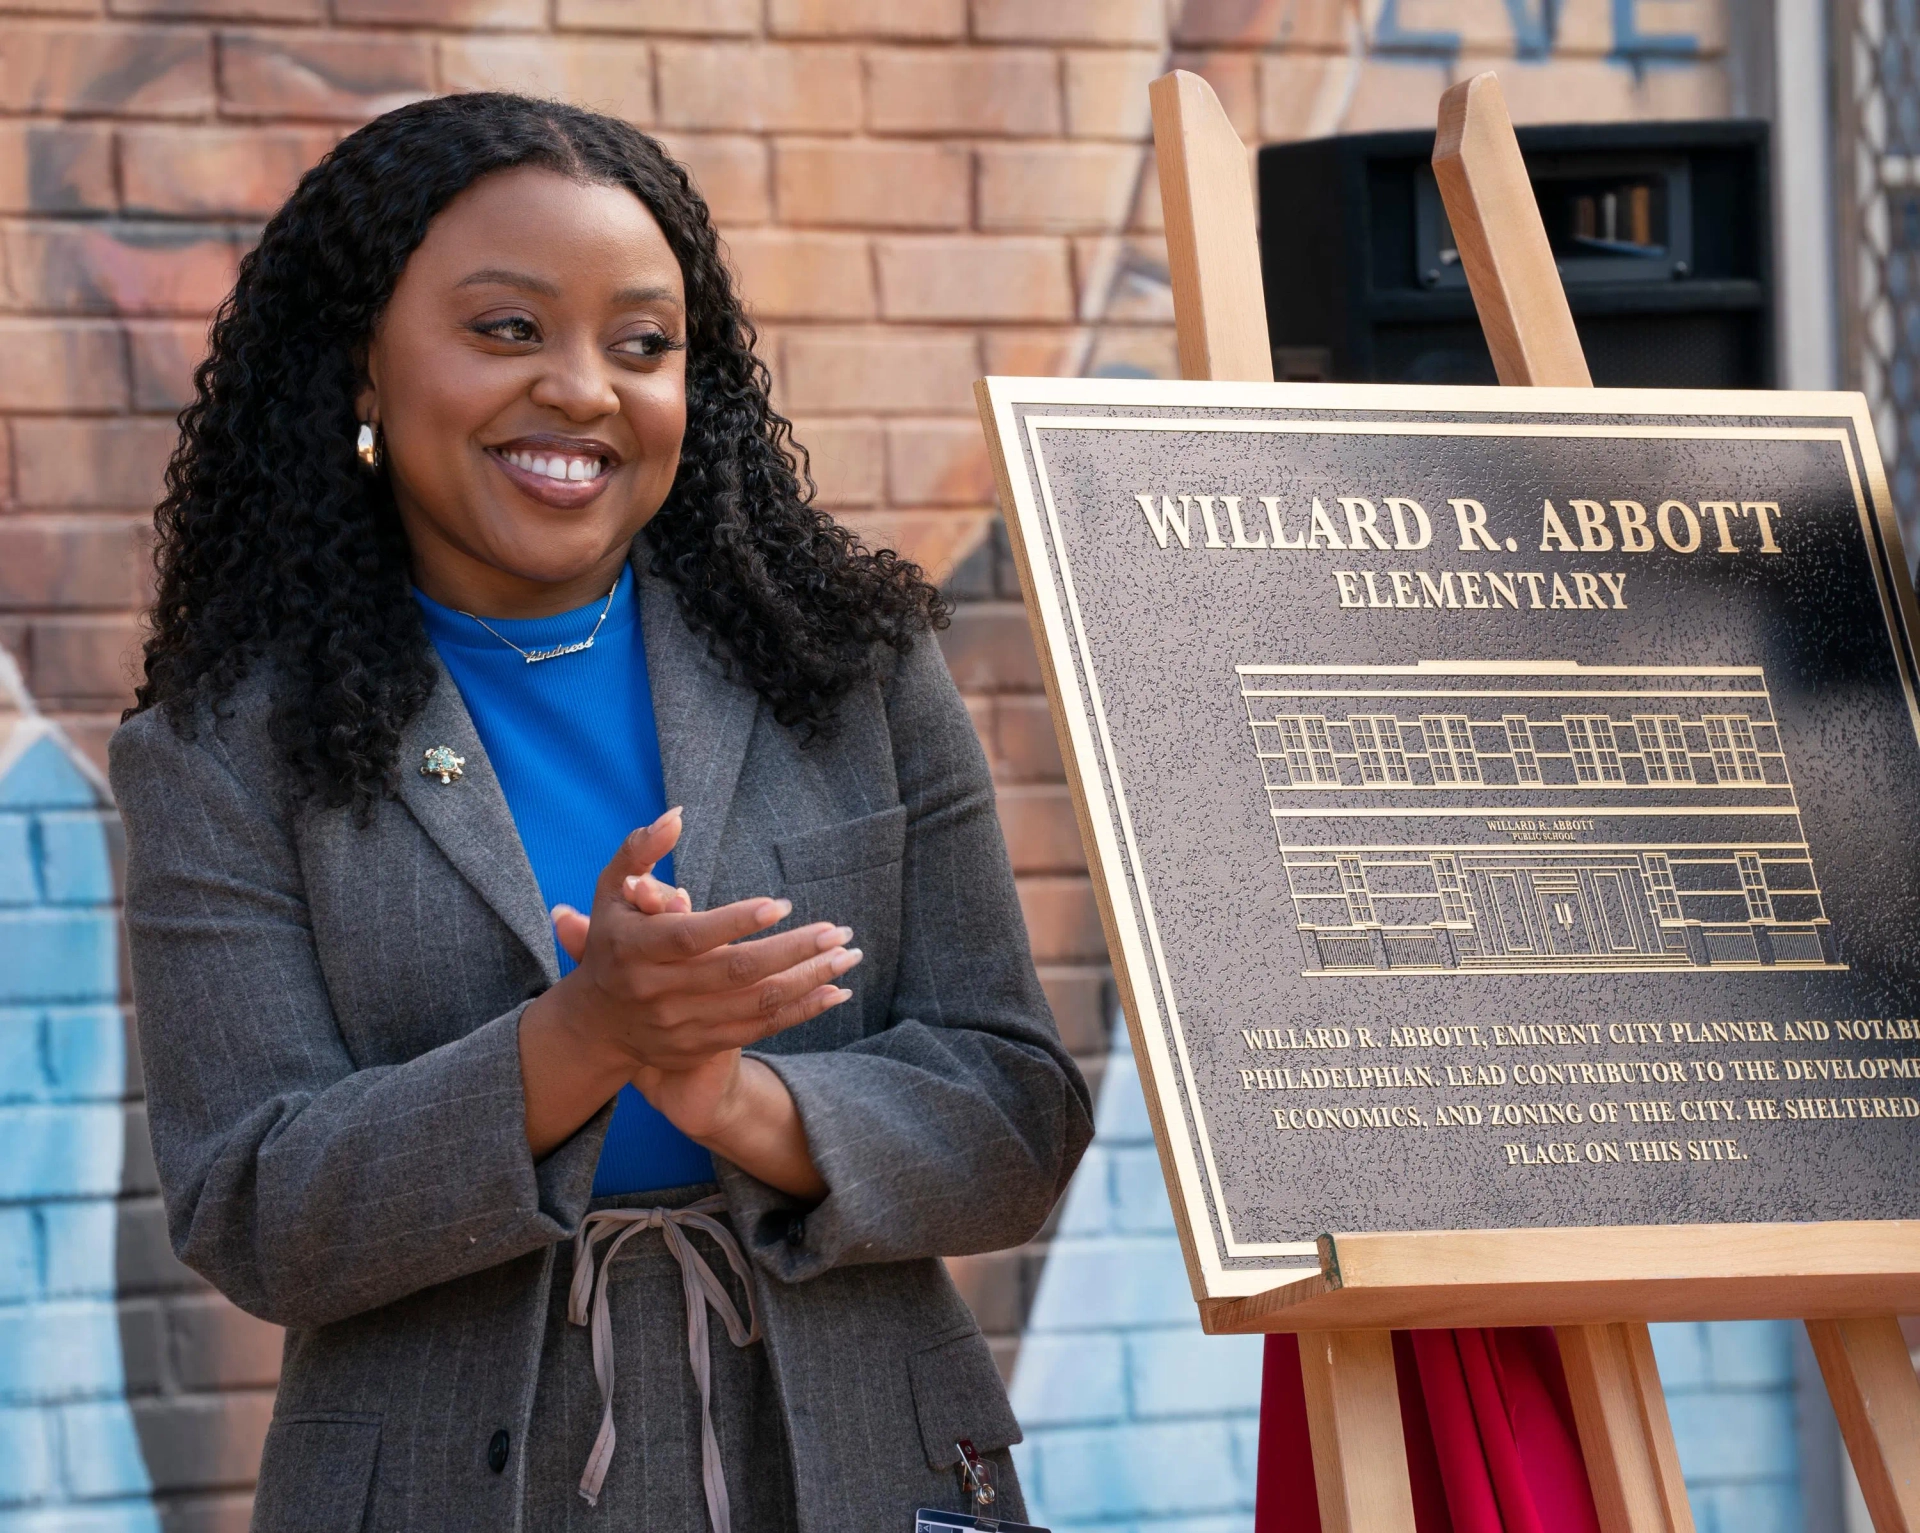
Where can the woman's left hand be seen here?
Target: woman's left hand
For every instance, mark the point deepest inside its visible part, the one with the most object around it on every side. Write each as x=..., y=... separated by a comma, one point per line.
x=732, y=1105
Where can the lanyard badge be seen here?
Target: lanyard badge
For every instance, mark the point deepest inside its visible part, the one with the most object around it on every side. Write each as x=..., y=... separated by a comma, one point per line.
x=976, y=1478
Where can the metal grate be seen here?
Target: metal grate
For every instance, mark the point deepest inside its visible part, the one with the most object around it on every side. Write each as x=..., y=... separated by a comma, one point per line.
x=1878, y=55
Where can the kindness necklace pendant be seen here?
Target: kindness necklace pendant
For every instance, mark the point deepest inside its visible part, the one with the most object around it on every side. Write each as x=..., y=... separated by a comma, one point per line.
x=535, y=656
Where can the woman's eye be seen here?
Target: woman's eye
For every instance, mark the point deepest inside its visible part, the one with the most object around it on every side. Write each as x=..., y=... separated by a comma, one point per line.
x=515, y=328
x=649, y=344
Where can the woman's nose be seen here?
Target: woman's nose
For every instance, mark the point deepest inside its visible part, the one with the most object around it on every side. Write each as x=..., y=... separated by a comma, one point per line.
x=577, y=384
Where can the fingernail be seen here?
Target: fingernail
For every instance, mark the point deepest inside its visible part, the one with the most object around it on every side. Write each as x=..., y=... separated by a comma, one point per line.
x=846, y=959
x=775, y=910
x=840, y=995
x=631, y=883
x=564, y=910
x=835, y=936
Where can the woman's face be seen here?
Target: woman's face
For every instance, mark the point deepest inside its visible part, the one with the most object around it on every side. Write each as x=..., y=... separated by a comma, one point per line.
x=528, y=379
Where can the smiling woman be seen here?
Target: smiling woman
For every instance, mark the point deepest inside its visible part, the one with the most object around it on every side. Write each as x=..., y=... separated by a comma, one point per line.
x=482, y=547
x=527, y=381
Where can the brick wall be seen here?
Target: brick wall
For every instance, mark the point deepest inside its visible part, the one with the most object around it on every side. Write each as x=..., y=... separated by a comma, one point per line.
x=914, y=192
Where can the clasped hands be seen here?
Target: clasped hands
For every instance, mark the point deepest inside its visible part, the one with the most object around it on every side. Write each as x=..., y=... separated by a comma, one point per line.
x=666, y=997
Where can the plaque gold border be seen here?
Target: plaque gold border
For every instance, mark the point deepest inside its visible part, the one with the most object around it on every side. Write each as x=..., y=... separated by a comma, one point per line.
x=1231, y=1295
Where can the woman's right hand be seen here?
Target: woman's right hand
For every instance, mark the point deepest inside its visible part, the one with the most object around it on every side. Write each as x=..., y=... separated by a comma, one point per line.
x=669, y=986
x=660, y=986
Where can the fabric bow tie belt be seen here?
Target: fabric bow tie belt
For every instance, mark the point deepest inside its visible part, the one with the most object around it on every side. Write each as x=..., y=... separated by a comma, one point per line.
x=702, y=1289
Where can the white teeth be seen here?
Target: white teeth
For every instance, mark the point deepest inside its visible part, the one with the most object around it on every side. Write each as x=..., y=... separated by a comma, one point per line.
x=569, y=470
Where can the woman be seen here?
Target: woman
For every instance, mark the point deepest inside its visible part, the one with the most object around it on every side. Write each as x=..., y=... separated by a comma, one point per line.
x=489, y=592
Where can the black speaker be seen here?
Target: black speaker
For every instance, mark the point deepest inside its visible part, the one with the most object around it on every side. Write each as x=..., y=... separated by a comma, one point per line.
x=1662, y=233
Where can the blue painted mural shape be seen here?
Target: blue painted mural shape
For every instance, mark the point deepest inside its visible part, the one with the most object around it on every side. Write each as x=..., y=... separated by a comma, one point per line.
x=69, y=1457
x=1138, y=1422
x=1536, y=28
x=1731, y=1396
x=1135, y=1419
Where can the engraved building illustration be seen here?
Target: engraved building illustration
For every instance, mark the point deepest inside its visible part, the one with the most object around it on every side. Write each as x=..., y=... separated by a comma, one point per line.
x=1536, y=816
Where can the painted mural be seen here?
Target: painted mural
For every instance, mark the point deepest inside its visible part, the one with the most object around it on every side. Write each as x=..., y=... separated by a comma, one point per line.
x=70, y=1456
x=130, y=1395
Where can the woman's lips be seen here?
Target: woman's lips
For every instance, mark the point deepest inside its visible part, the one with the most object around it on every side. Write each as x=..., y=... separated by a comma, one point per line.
x=523, y=469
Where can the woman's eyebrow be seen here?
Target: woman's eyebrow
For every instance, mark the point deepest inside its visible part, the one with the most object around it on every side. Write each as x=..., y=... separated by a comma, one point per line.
x=500, y=276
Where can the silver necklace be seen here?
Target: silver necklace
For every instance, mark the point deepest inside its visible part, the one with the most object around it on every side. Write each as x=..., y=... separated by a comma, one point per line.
x=534, y=656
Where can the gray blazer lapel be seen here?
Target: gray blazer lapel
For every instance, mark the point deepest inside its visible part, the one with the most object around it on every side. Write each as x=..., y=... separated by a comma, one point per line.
x=705, y=722
x=468, y=818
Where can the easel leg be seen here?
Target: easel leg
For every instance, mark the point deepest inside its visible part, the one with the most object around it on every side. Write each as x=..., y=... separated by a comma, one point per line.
x=1875, y=1394
x=1625, y=1435
x=1353, y=1417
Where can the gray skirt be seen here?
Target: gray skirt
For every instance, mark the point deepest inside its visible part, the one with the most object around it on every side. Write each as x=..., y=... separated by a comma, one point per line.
x=653, y=1478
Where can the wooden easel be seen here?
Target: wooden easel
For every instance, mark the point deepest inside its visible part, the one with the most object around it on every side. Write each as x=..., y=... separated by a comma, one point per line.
x=1359, y=1453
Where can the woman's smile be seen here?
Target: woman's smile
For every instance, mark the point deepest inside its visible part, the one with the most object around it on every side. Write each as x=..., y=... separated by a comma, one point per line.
x=564, y=472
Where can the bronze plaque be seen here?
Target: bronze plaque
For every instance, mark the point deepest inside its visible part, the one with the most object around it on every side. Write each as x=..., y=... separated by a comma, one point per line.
x=1504, y=803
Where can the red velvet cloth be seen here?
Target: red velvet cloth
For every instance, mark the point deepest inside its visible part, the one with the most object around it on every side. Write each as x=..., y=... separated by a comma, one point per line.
x=1491, y=1444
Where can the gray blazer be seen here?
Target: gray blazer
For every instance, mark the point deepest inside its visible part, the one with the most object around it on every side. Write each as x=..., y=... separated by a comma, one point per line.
x=328, y=1016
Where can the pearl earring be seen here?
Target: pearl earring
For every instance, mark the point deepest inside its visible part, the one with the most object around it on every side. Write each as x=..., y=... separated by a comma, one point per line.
x=368, y=446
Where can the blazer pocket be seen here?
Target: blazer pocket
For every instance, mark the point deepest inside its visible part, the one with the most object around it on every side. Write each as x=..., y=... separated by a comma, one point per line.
x=957, y=1394
x=316, y=1472
x=834, y=851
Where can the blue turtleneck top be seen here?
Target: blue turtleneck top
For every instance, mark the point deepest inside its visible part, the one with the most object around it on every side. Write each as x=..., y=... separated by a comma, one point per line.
x=573, y=744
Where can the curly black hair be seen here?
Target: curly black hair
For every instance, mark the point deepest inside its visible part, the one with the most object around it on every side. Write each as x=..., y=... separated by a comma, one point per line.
x=274, y=542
